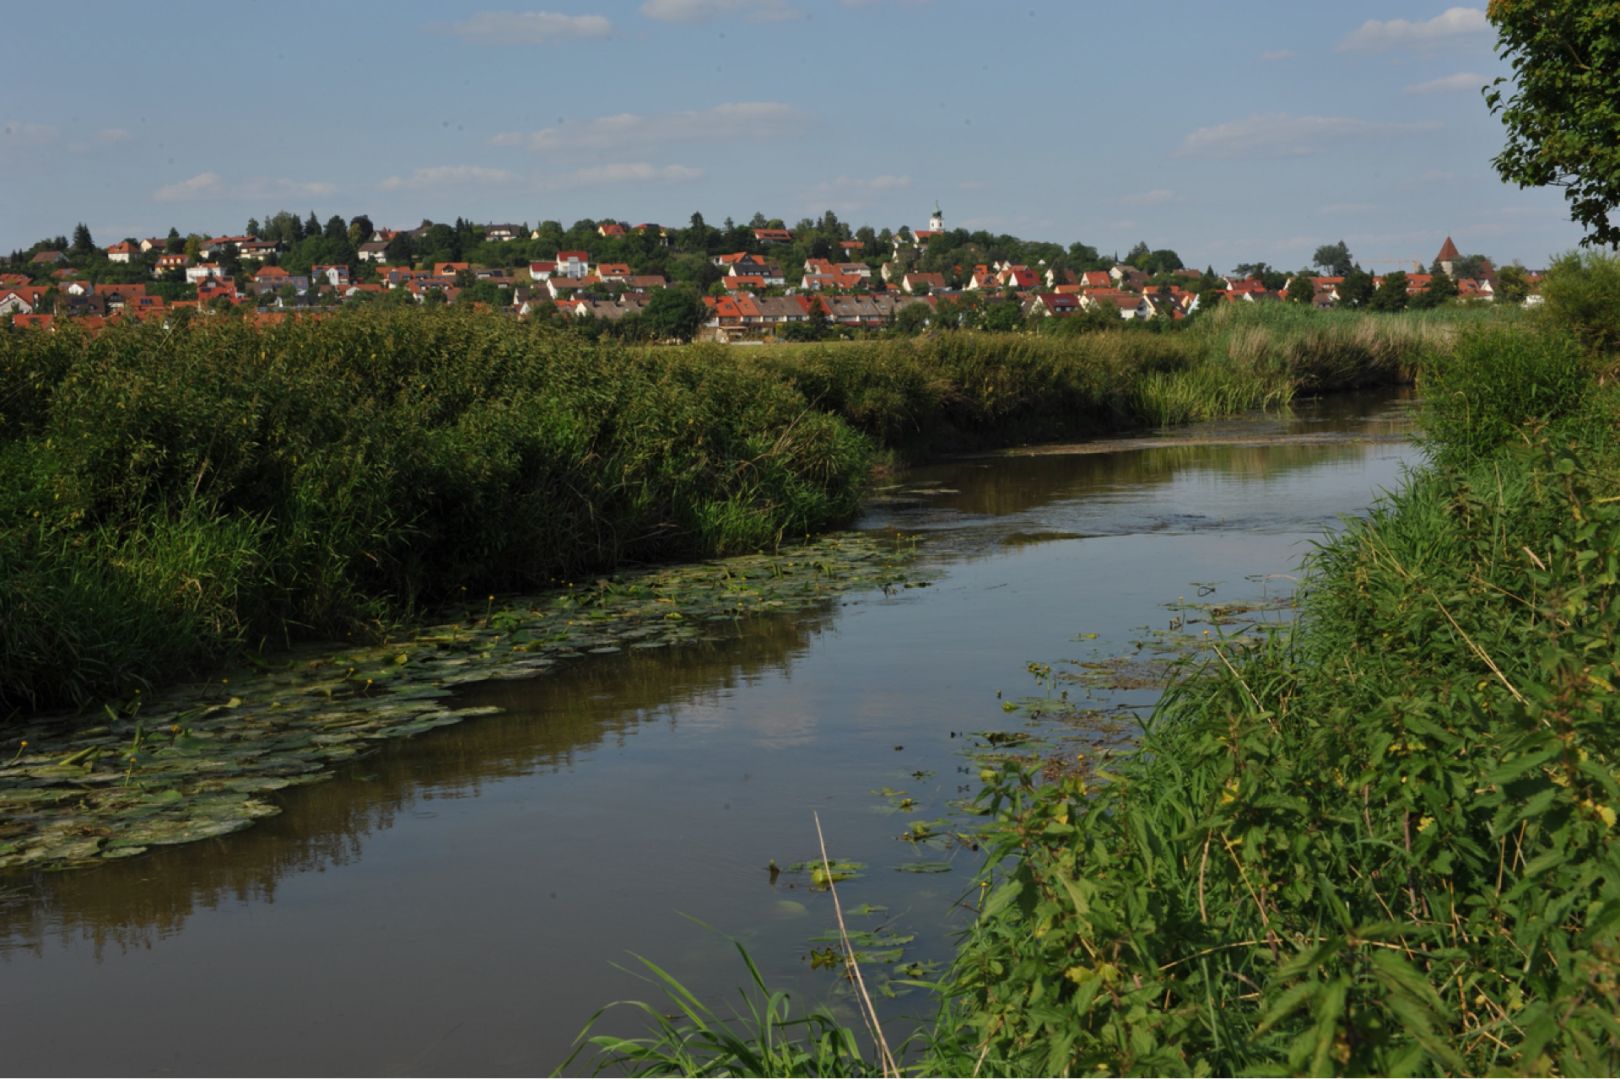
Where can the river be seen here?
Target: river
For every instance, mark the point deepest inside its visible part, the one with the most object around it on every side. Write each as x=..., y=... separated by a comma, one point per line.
x=463, y=901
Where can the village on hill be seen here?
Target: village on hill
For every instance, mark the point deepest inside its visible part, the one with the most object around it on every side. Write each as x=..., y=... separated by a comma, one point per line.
x=734, y=283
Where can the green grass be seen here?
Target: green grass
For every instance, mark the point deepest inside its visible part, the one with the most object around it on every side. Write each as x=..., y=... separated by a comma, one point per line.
x=1385, y=841
x=175, y=497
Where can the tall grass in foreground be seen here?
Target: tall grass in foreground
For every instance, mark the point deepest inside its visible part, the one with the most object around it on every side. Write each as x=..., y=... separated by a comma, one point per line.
x=1385, y=841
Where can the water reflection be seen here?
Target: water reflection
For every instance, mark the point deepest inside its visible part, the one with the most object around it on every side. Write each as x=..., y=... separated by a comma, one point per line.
x=549, y=725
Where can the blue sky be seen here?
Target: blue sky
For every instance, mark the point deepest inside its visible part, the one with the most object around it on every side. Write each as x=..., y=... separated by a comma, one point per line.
x=1229, y=132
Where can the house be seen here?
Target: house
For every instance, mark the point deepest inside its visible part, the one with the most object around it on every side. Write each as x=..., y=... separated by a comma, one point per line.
x=450, y=269
x=1017, y=277
x=1128, y=305
x=122, y=251
x=539, y=271
x=1096, y=279
x=33, y=322
x=274, y=279
x=203, y=271
x=613, y=271
x=773, y=236
x=781, y=310
x=610, y=228
x=215, y=288
x=153, y=243
x=257, y=250
x=1055, y=277
x=817, y=282
x=166, y=263
x=646, y=281
x=914, y=282
x=374, y=251
x=504, y=233
x=743, y=262
x=336, y=276
x=1126, y=276
x=22, y=300
x=575, y=264
x=497, y=275
x=214, y=246
x=116, y=297
x=48, y=258
x=851, y=247
x=1054, y=305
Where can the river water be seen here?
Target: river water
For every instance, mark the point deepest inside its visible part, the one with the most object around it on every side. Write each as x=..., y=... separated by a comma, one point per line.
x=462, y=902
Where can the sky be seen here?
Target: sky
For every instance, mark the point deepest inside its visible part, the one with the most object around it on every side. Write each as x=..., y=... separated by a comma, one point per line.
x=1230, y=133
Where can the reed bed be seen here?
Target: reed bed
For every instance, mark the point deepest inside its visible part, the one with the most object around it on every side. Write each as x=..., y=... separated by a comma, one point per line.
x=175, y=496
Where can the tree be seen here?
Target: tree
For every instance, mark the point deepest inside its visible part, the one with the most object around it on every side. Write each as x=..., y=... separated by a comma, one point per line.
x=1301, y=289
x=1333, y=259
x=1512, y=284
x=360, y=230
x=312, y=225
x=174, y=243
x=335, y=229
x=912, y=318
x=82, y=243
x=1563, y=129
x=1357, y=288
x=1439, y=289
x=1391, y=295
x=252, y=227
x=674, y=312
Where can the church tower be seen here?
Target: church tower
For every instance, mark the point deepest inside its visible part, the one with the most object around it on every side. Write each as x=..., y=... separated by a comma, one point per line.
x=936, y=220
x=1448, y=257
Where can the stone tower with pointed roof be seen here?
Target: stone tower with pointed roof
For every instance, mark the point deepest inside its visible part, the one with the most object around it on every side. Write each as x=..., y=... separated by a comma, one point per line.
x=1448, y=257
x=936, y=220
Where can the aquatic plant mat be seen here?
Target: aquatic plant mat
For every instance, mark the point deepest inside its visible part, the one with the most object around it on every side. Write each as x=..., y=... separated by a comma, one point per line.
x=203, y=760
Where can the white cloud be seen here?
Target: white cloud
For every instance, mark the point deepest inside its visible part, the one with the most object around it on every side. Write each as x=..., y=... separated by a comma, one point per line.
x=1463, y=80
x=22, y=133
x=1278, y=54
x=1453, y=23
x=113, y=134
x=439, y=176
x=637, y=172
x=704, y=10
x=1285, y=135
x=742, y=119
x=529, y=27
x=1156, y=197
x=212, y=187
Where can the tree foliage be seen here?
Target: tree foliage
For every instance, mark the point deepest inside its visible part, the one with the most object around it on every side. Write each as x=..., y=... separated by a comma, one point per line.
x=1560, y=109
x=1334, y=259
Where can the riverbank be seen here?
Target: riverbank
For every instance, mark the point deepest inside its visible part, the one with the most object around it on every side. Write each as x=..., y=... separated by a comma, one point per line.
x=187, y=497
x=1383, y=842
